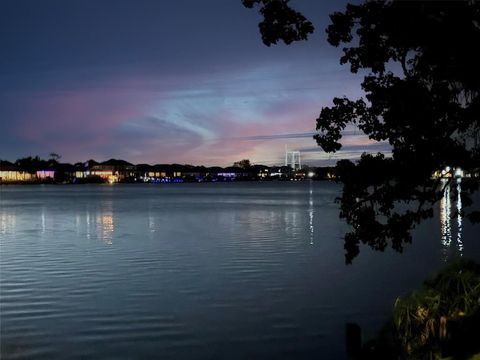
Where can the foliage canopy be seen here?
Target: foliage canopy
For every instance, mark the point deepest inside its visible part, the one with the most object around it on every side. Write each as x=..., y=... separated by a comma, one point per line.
x=421, y=90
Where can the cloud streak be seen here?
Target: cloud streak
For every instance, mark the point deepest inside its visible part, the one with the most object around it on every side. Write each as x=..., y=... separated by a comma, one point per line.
x=158, y=90
x=276, y=136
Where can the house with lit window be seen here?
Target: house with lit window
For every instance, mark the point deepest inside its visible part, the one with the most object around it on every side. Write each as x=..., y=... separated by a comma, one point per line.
x=48, y=174
x=113, y=170
x=12, y=173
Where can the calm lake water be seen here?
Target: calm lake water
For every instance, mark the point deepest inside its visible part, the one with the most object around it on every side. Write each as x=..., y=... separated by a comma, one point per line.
x=198, y=271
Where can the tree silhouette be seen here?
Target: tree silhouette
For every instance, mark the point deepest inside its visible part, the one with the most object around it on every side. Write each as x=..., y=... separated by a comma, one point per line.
x=280, y=22
x=421, y=95
x=55, y=157
x=244, y=164
x=32, y=164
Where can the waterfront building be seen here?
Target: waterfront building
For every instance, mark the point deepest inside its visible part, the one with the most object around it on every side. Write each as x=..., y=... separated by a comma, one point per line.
x=113, y=170
x=12, y=173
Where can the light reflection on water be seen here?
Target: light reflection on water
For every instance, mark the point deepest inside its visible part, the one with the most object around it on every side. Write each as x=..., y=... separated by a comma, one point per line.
x=43, y=220
x=7, y=222
x=88, y=226
x=97, y=223
x=310, y=213
x=447, y=228
x=459, y=218
x=105, y=224
x=200, y=271
x=151, y=221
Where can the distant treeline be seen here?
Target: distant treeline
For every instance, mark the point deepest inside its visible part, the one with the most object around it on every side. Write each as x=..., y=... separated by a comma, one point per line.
x=37, y=170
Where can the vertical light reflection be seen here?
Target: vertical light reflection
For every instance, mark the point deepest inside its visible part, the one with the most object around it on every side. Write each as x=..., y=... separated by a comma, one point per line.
x=446, y=229
x=7, y=223
x=107, y=228
x=43, y=220
x=291, y=222
x=87, y=217
x=459, y=216
x=151, y=221
x=78, y=221
x=445, y=216
x=105, y=224
x=310, y=213
x=295, y=220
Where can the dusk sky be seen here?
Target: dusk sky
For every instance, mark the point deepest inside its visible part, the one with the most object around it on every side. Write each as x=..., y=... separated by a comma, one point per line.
x=153, y=81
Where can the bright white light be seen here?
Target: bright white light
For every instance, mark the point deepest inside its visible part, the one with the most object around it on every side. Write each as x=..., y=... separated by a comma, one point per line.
x=310, y=174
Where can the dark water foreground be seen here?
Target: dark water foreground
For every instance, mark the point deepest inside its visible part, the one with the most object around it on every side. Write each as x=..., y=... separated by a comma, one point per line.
x=197, y=271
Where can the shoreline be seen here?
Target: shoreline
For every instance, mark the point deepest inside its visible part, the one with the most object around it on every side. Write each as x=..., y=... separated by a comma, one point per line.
x=79, y=183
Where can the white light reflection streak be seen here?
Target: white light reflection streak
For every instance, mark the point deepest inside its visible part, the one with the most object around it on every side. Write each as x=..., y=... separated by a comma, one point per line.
x=105, y=224
x=446, y=216
x=78, y=221
x=87, y=216
x=459, y=216
x=151, y=221
x=7, y=223
x=310, y=213
x=43, y=220
x=107, y=228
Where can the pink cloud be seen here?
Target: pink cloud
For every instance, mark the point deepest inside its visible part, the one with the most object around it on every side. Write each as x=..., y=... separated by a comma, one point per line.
x=186, y=119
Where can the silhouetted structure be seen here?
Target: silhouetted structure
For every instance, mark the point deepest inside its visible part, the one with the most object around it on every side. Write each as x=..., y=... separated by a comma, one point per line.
x=422, y=95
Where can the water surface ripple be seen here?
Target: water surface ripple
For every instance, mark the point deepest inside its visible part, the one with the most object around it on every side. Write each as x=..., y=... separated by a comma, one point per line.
x=193, y=271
